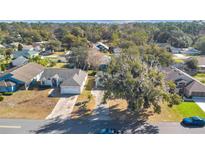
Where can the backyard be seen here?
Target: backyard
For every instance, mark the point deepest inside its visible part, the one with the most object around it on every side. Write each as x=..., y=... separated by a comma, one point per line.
x=30, y=104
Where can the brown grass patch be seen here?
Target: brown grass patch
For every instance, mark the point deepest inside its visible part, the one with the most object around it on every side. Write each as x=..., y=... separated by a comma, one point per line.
x=84, y=105
x=31, y=104
x=167, y=115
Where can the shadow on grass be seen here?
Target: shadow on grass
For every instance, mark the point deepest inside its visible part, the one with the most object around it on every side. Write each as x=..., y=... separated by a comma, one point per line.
x=132, y=124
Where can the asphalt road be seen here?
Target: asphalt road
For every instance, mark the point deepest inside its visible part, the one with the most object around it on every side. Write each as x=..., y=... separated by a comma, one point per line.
x=86, y=126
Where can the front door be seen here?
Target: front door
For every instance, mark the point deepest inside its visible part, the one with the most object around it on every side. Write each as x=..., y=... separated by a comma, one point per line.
x=54, y=82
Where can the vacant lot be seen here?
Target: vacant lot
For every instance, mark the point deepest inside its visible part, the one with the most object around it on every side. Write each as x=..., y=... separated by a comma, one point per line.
x=200, y=77
x=85, y=103
x=31, y=104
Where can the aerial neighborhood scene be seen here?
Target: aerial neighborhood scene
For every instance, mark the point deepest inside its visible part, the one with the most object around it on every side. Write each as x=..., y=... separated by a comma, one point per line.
x=139, y=77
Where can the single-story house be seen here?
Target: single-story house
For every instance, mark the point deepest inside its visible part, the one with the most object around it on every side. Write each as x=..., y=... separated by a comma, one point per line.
x=7, y=86
x=185, y=84
x=24, y=53
x=24, y=75
x=28, y=48
x=19, y=61
x=201, y=64
x=188, y=51
x=70, y=81
x=195, y=89
x=46, y=53
x=101, y=46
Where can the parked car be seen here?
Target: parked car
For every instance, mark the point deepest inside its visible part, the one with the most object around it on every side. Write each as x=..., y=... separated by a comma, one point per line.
x=108, y=131
x=194, y=121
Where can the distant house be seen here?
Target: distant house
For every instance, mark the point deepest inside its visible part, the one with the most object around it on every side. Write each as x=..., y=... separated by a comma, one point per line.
x=176, y=50
x=201, y=64
x=2, y=46
x=19, y=61
x=25, y=76
x=24, y=53
x=70, y=81
x=46, y=53
x=28, y=48
x=188, y=51
x=104, y=62
x=97, y=59
x=186, y=84
x=101, y=46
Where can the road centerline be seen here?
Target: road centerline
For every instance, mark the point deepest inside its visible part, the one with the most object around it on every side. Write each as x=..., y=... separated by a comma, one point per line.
x=7, y=126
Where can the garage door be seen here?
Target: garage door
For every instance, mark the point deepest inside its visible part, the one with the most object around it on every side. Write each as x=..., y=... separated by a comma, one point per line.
x=70, y=90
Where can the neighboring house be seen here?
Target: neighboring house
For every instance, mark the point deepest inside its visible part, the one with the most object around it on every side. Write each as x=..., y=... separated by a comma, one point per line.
x=24, y=53
x=104, y=62
x=28, y=48
x=186, y=85
x=70, y=81
x=97, y=59
x=46, y=53
x=176, y=50
x=101, y=46
x=7, y=86
x=19, y=61
x=201, y=64
x=2, y=46
x=25, y=76
x=188, y=51
x=191, y=51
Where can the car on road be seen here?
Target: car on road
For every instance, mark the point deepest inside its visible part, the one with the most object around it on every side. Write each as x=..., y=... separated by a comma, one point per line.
x=194, y=121
x=108, y=131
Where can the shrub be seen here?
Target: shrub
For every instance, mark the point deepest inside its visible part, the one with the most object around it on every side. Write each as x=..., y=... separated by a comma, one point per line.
x=1, y=98
x=8, y=93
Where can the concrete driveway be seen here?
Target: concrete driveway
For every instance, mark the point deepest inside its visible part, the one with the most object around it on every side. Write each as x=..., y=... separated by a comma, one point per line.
x=63, y=108
x=101, y=111
x=200, y=101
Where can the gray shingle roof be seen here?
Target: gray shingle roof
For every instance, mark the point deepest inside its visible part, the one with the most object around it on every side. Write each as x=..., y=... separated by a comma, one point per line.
x=195, y=86
x=70, y=77
x=27, y=72
x=19, y=61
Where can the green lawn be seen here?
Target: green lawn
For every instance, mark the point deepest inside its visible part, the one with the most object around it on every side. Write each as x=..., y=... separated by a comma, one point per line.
x=188, y=109
x=200, y=77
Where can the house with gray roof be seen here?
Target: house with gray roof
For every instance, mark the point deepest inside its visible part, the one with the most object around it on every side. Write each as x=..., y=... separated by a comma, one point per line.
x=19, y=61
x=23, y=76
x=70, y=81
x=24, y=53
x=186, y=84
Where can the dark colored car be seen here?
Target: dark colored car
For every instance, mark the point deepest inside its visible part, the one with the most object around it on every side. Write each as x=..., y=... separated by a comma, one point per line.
x=108, y=131
x=194, y=121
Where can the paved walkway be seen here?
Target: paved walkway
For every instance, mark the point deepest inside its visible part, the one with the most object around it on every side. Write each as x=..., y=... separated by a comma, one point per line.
x=63, y=108
x=200, y=102
x=102, y=110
